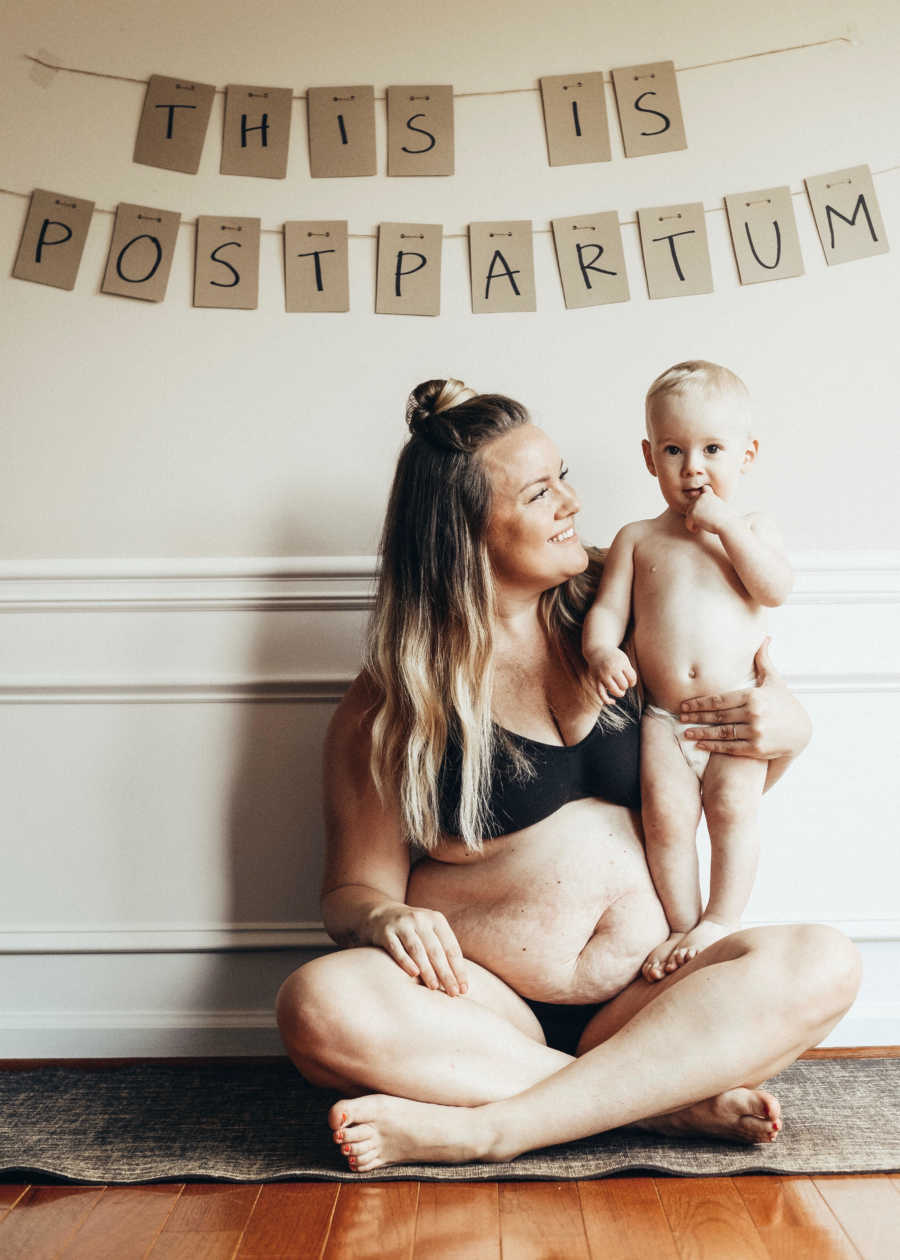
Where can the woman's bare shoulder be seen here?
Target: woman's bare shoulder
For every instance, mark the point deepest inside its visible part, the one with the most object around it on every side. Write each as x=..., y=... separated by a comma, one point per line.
x=349, y=731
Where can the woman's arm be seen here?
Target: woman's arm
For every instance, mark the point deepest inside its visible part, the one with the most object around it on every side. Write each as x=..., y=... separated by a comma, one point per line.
x=766, y=721
x=367, y=861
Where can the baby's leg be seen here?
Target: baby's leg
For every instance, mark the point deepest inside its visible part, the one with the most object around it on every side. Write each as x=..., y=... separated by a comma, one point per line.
x=670, y=809
x=732, y=787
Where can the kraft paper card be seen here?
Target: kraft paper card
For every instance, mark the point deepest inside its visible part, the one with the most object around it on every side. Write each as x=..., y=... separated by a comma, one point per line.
x=675, y=249
x=420, y=130
x=257, y=131
x=501, y=259
x=409, y=269
x=649, y=109
x=316, y=265
x=227, y=266
x=141, y=252
x=591, y=259
x=575, y=118
x=847, y=214
x=173, y=124
x=341, y=131
x=53, y=238
x=764, y=234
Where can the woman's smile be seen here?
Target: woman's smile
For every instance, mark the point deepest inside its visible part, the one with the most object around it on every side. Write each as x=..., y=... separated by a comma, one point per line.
x=565, y=535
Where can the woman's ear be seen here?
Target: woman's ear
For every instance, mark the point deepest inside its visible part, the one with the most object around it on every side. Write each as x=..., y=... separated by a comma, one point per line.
x=648, y=457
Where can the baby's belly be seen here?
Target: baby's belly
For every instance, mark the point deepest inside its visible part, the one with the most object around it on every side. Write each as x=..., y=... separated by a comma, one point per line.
x=697, y=657
x=564, y=911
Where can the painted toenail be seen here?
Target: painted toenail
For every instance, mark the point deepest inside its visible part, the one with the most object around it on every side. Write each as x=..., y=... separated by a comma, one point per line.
x=346, y=1150
x=343, y=1117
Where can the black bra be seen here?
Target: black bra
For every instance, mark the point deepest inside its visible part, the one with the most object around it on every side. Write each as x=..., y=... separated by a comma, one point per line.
x=605, y=764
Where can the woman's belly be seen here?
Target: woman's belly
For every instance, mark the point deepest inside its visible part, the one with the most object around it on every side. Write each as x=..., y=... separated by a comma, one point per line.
x=564, y=911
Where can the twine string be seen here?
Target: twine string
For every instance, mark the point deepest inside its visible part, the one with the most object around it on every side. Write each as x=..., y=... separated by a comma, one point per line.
x=301, y=96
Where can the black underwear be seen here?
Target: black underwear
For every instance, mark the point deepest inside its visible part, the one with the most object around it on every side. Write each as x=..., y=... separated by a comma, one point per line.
x=605, y=764
x=563, y=1025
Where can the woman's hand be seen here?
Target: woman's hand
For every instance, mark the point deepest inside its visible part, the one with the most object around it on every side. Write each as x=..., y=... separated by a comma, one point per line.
x=422, y=943
x=766, y=721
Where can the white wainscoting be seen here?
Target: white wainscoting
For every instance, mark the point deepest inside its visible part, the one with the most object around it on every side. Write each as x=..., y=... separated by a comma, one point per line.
x=162, y=723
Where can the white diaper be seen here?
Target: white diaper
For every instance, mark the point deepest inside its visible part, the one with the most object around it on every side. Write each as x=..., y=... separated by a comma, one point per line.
x=697, y=758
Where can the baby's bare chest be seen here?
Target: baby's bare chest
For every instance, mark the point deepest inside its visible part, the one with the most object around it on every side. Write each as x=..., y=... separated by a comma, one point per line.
x=693, y=570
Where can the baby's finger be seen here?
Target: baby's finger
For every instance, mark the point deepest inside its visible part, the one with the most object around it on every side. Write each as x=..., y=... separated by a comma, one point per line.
x=603, y=694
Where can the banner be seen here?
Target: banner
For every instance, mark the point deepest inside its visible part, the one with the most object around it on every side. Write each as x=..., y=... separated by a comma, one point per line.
x=575, y=119
x=649, y=109
x=588, y=248
x=420, y=130
x=257, y=131
x=341, y=132
x=173, y=124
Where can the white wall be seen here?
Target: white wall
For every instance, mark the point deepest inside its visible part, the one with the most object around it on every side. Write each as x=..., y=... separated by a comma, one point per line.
x=161, y=713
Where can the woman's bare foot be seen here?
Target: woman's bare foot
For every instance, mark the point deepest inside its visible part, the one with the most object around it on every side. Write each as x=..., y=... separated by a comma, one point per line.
x=656, y=963
x=738, y=1115
x=380, y=1129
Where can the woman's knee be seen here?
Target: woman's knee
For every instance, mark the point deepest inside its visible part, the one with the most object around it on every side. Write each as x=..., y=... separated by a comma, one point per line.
x=819, y=969
x=320, y=1007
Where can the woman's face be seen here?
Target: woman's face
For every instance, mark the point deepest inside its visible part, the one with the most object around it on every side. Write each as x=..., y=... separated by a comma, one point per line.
x=531, y=536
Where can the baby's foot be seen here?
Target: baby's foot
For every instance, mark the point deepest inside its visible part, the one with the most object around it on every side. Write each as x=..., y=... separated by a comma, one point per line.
x=738, y=1115
x=692, y=943
x=379, y=1129
x=656, y=963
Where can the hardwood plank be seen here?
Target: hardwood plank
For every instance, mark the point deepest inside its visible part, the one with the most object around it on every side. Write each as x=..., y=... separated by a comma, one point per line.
x=793, y=1219
x=458, y=1220
x=193, y=1244
x=10, y=1195
x=124, y=1223
x=853, y=1052
x=708, y=1219
x=287, y=1216
x=373, y=1220
x=868, y=1209
x=44, y=1219
x=624, y=1218
x=541, y=1220
x=205, y=1207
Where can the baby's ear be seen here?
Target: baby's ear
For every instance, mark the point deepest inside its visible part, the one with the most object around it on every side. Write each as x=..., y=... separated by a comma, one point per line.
x=750, y=453
x=648, y=457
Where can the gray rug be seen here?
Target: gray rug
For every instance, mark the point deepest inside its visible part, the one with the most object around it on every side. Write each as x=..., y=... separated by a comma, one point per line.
x=260, y=1122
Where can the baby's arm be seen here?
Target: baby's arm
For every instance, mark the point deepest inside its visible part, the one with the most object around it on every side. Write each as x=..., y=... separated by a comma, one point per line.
x=752, y=544
x=607, y=620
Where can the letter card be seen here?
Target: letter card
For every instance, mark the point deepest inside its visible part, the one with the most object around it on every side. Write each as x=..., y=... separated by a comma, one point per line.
x=227, y=266
x=649, y=109
x=141, y=252
x=173, y=124
x=575, y=118
x=316, y=266
x=257, y=131
x=420, y=130
x=501, y=261
x=675, y=249
x=591, y=260
x=341, y=131
x=53, y=238
x=764, y=234
x=847, y=214
x=409, y=269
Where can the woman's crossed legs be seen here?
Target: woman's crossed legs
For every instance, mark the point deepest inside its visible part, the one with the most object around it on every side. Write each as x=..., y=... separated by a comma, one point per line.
x=685, y=1054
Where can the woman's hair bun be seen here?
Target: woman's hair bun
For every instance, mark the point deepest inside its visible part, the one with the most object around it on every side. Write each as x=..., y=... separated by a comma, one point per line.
x=432, y=397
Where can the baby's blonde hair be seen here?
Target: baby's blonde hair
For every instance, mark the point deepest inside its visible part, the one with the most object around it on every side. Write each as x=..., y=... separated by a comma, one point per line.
x=709, y=378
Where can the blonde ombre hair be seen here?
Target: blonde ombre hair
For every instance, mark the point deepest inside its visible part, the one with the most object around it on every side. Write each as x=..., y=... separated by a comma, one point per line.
x=429, y=650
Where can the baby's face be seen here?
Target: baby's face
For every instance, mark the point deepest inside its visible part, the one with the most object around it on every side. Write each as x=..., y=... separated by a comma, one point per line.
x=698, y=439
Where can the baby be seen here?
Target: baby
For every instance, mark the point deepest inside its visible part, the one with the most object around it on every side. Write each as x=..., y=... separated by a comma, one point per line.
x=695, y=581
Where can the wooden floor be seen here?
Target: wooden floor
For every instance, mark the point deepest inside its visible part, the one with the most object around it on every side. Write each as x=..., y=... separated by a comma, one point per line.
x=622, y=1218
x=619, y=1218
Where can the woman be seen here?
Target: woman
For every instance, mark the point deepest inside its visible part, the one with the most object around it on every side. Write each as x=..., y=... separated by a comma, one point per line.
x=472, y=733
